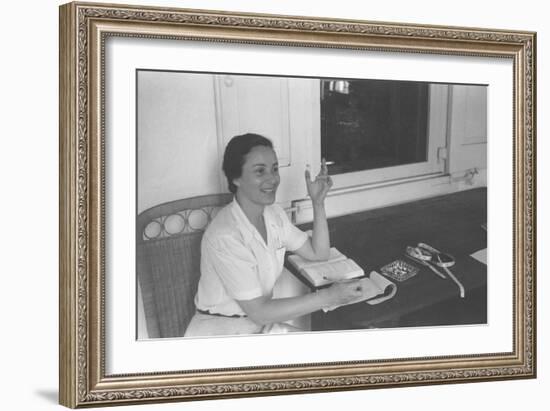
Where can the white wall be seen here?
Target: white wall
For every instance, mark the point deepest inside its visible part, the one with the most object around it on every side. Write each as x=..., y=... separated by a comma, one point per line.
x=169, y=168
x=185, y=120
x=28, y=165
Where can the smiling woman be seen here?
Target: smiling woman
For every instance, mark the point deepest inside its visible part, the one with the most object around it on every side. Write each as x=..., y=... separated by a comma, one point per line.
x=256, y=179
x=242, y=251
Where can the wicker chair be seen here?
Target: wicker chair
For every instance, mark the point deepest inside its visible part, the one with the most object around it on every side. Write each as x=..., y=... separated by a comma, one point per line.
x=168, y=260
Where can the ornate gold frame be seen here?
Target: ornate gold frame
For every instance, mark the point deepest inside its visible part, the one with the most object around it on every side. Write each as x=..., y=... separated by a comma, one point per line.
x=83, y=30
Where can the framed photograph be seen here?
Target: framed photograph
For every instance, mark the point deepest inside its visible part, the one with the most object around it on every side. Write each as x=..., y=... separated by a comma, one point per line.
x=262, y=204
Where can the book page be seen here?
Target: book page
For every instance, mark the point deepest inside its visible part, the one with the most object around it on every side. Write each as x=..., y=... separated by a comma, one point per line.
x=302, y=263
x=387, y=288
x=480, y=256
x=330, y=272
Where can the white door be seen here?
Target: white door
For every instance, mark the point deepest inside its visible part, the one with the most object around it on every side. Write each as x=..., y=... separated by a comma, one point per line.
x=280, y=108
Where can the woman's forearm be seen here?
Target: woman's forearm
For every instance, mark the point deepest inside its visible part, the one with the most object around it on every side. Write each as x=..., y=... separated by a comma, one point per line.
x=320, y=240
x=266, y=311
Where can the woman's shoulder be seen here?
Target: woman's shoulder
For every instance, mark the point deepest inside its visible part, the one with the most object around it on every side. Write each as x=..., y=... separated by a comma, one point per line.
x=278, y=213
x=223, y=225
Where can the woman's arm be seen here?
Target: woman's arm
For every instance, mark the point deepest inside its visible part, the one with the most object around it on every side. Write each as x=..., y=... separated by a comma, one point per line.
x=318, y=246
x=267, y=310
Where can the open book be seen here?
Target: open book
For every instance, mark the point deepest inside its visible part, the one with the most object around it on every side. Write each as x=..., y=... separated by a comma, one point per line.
x=374, y=290
x=319, y=273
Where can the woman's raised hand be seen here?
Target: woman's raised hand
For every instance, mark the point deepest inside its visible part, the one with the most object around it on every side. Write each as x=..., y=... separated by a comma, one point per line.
x=318, y=188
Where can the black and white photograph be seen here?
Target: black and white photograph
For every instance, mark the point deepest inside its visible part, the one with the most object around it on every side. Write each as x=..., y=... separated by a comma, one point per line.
x=257, y=204
x=269, y=205
x=283, y=204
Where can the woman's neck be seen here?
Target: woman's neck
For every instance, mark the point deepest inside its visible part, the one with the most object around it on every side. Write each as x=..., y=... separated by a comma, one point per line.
x=254, y=212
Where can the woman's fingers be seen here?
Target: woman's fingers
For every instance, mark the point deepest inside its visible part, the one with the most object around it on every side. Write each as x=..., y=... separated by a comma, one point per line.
x=307, y=176
x=323, y=172
x=328, y=185
x=324, y=168
x=320, y=186
x=325, y=180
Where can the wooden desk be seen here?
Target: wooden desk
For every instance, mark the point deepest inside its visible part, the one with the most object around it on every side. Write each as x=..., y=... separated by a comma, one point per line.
x=450, y=223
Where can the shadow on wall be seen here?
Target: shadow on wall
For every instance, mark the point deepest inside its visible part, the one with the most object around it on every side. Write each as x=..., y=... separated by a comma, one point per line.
x=50, y=395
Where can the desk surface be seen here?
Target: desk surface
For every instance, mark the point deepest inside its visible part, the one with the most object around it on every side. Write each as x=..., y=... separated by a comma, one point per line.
x=450, y=223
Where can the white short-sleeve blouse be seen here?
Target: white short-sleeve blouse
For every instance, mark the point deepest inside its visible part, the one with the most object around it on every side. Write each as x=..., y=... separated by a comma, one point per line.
x=236, y=262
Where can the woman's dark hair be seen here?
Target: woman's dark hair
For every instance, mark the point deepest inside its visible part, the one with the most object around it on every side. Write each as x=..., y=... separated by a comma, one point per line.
x=235, y=152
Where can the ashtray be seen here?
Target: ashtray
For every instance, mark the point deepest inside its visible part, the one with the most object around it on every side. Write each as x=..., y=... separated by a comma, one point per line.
x=399, y=270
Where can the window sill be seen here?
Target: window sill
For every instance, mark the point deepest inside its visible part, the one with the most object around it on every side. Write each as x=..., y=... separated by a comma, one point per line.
x=348, y=200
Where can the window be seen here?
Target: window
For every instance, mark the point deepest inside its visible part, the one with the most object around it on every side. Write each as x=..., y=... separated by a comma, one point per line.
x=378, y=130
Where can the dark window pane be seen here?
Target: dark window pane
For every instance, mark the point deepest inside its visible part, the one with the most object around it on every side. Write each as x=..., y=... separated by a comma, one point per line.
x=368, y=124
